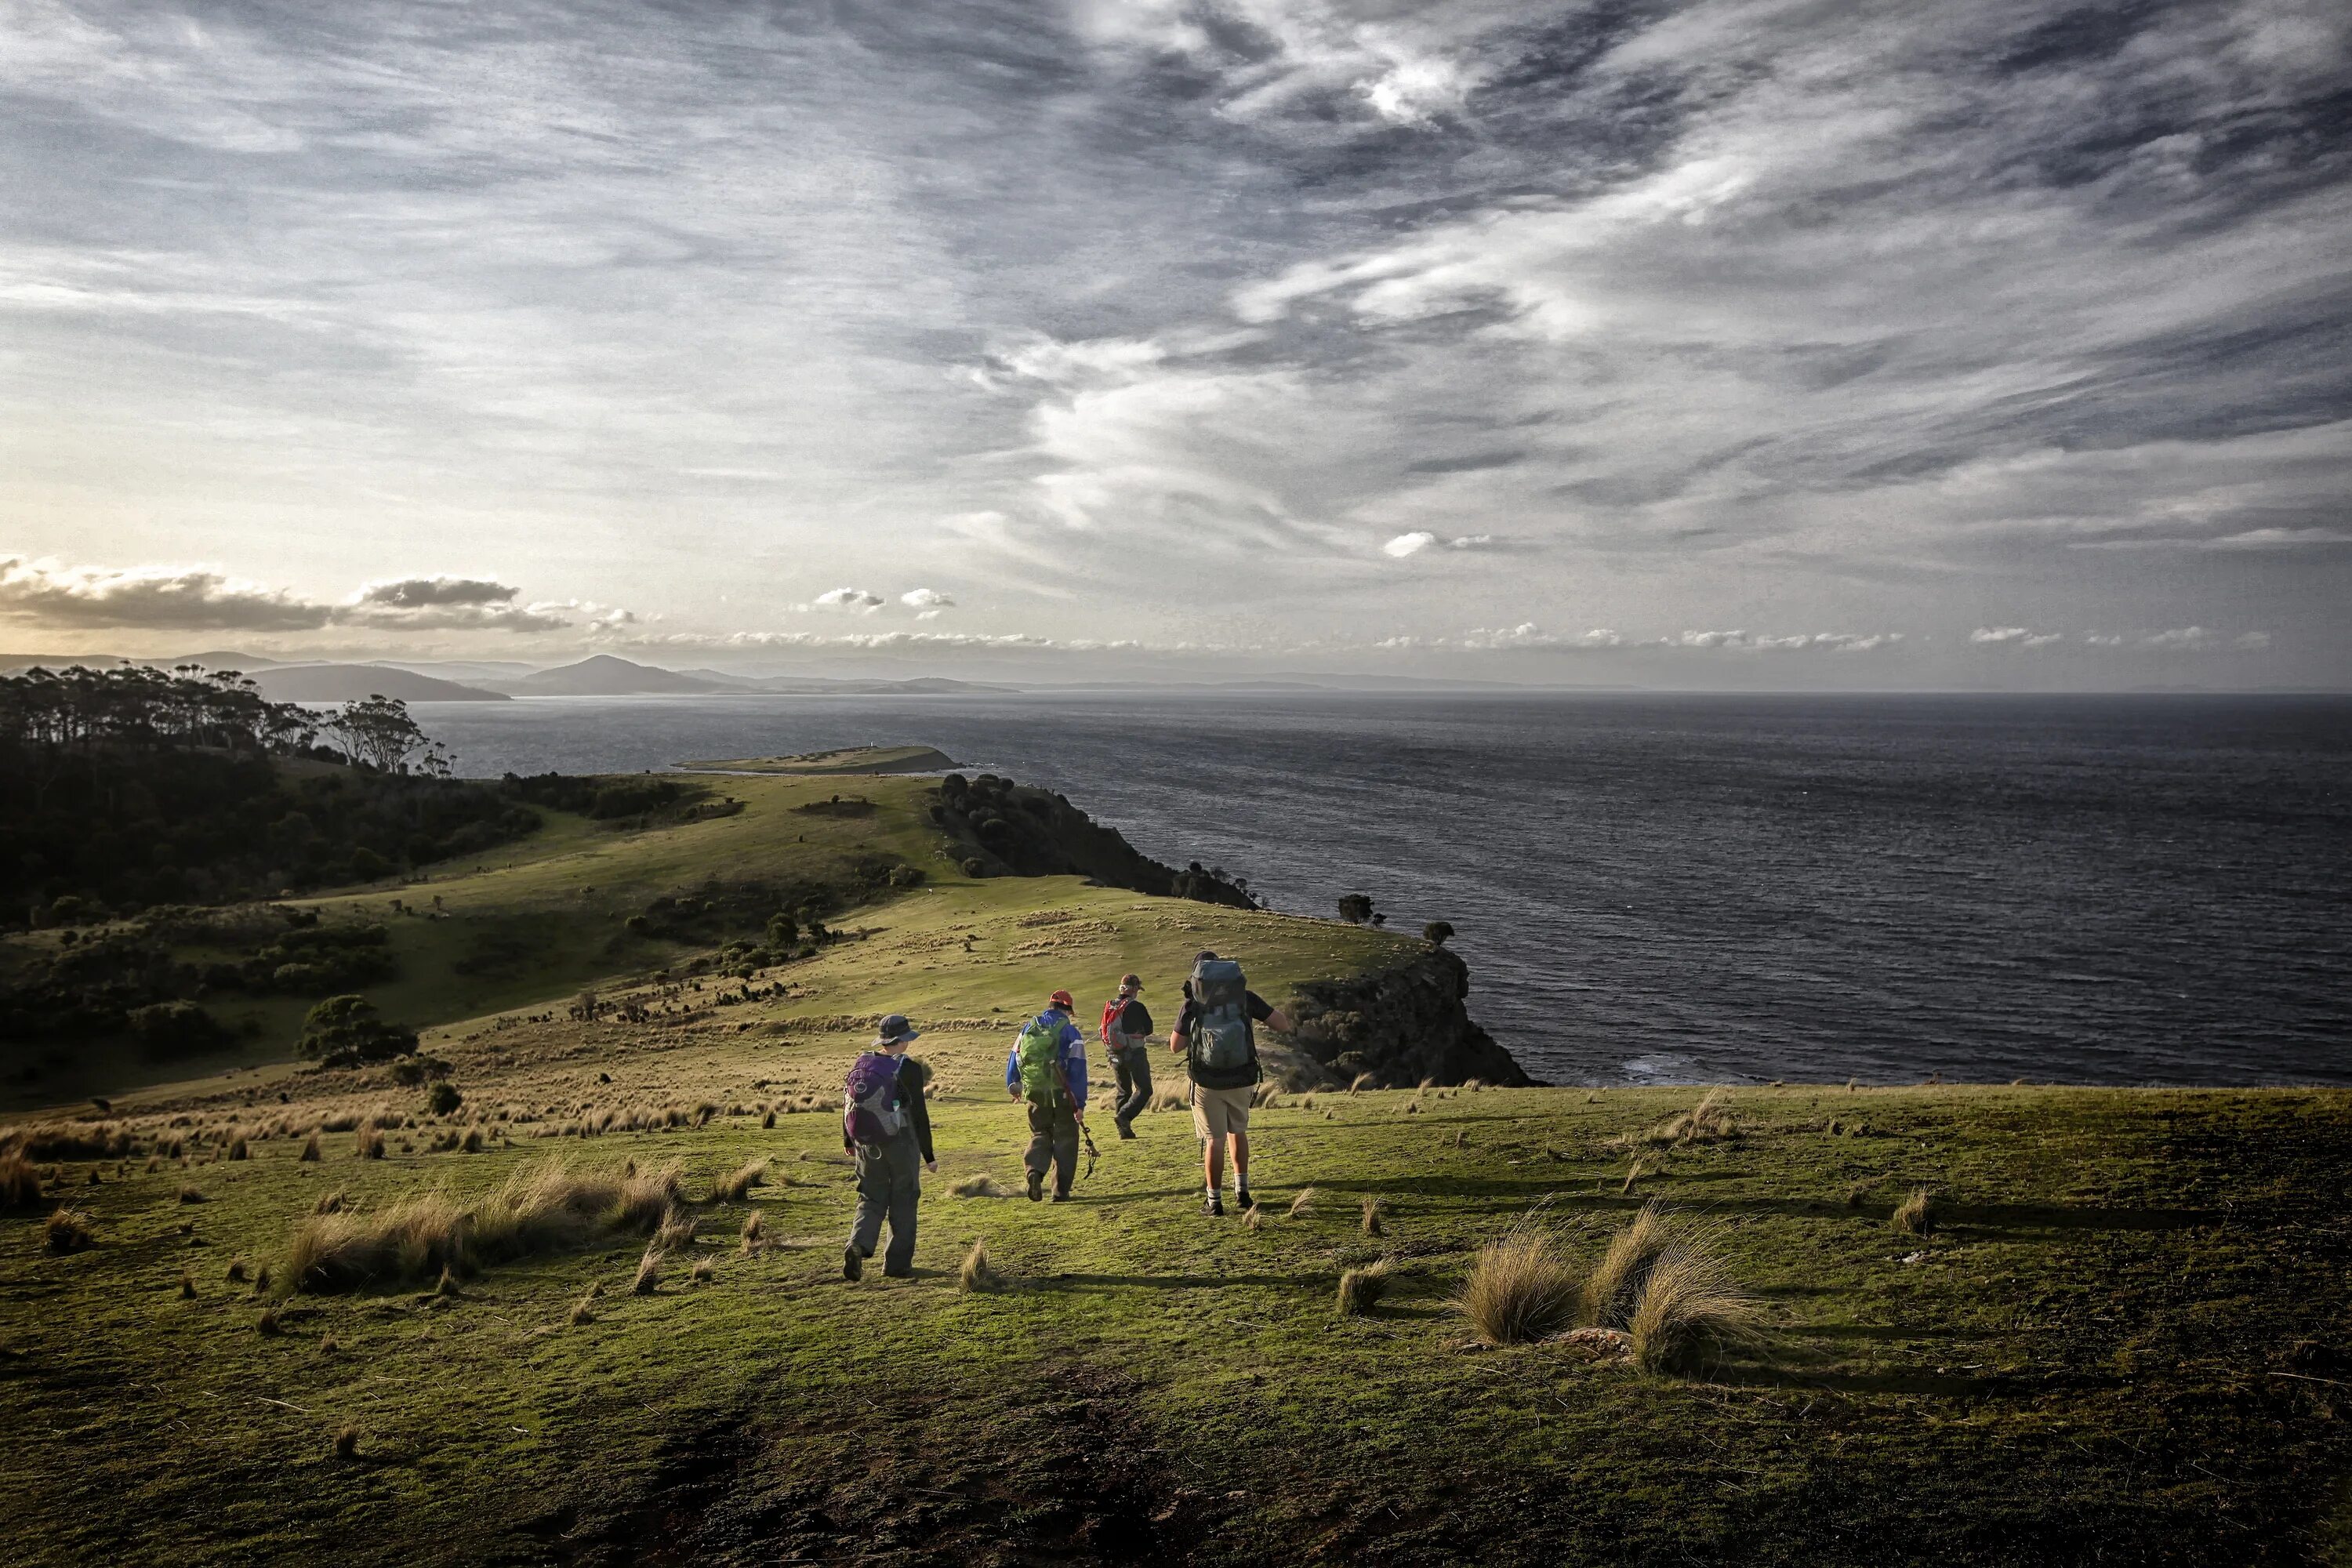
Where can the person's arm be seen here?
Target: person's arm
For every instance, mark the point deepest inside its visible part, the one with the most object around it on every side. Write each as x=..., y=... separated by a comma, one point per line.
x=1074, y=1069
x=1183, y=1020
x=913, y=1079
x=1266, y=1013
x=1013, y=1071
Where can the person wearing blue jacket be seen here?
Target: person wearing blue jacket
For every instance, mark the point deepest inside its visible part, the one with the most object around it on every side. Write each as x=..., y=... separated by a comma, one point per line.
x=1048, y=1067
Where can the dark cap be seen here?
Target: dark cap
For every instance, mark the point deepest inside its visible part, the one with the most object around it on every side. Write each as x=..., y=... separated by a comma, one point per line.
x=1204, y=953
x=1130, y=983
x=895, y=1030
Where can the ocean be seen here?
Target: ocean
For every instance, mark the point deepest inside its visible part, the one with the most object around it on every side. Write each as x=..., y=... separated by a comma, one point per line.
x=1658, y=889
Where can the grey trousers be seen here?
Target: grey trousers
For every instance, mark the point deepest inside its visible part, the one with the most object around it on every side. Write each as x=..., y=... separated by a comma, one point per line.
x=1132, y=1067
x=1054, y=1140
x=889, y=1184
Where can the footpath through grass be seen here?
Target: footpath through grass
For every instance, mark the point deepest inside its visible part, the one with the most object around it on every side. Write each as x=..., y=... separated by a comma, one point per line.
x=2122, y=1343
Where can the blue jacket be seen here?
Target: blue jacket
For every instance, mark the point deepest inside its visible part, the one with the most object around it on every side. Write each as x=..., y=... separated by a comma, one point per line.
x=1074, y=1059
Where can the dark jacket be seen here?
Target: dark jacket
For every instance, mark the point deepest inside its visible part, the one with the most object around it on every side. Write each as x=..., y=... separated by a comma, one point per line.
x=914, y=1077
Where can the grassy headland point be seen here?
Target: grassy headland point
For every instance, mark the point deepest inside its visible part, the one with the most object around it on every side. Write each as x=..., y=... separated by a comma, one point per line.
x=843, y=760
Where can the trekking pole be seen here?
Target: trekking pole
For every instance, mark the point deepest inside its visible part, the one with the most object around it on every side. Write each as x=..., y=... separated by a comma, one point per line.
x=1093, y=1153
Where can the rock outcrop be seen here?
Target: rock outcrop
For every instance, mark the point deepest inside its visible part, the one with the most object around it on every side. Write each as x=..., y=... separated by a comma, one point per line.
x=1401, y=1025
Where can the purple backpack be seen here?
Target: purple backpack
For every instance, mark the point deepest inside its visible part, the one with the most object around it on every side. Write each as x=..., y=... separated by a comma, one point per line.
x=870, y=1112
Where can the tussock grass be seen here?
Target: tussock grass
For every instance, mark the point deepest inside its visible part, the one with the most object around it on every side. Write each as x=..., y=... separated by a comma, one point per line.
x=1374, y=1211
x=733, y=1187
x=187, y=1286
x=1690, y=1311
x=1521, y=1290
x=1253, y=1217
x=267, y=1325
x=190, y=1194
x=311, y=1151
x=1614, y=1290
x=977, y=1274
x=704, y=1268
x=1633, y=1173
x=981, y=1186
x=1361, y=1289
x=20, y=1184
x=1917, y=1213
x=67, y=1230
x=1861, y=1190
x=581, y=1312
x=1364, y=1081
x=678, y=1228
x=369, y=1144
x=649, y=1273
x=755, y=1231
x=1708, y=1122
x=237, y=1150
x=333, y=1203
x=347, y=1443
x=1302, y=1203
x=543, y=1209
x=236, y=1271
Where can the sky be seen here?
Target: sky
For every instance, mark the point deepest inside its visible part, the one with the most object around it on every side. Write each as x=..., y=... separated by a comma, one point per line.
x=1744, y=342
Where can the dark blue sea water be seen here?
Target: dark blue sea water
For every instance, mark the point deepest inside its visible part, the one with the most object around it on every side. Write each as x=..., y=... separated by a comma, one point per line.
x=2116, y=889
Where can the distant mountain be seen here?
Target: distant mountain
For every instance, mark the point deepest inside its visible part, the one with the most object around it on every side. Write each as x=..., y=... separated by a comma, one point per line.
x=602, y=675
x=812, y=685
x=466, y=671
x=220, y=659
x=349, y=682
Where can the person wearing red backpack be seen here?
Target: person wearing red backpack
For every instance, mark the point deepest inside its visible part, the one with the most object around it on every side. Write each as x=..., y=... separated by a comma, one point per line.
x=1126, y=1036
x=886, y=1128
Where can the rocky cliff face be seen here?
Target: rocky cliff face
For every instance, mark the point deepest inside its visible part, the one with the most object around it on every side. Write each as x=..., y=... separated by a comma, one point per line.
x=1401, y=1025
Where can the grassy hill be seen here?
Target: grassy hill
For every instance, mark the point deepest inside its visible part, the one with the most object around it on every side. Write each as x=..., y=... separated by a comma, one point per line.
x=2122, y=1340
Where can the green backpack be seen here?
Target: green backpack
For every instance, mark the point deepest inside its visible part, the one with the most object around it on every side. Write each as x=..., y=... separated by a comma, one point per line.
x=1041, y=1058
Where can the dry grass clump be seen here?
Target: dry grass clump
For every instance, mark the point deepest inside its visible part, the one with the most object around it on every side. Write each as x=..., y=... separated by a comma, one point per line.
x=187, y=1286
x=755, y=1234
x=1521, y=1290
x=1917, y=1213
x=1361, y=1289
x=237, y=1150
x=543, y=1209
x=1690, y=1311
x=369, y=1144
x=1364, y=1081
x=190, y=1194
x=981, y=1186
x=731, y=1187
x=1302, y=1203
x=236, y=1271
x=704, y=1269
x=678, y=1228
x=311, y=1151
x=267, y=1325
x=977, y=1274
x=347, y=1443
x=1614, y=1290
x=67, y=1230
x=1253, y=1217
x=1373, y=1210
x=649, y=1273
x=581, y=1312
x=20, y=1184
x=333, y=1203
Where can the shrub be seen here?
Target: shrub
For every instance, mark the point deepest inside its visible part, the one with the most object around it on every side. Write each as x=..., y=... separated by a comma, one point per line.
x=1689, y=1311
x=168, y=1030
x=67, y=1231
x=345, y=1031
x=1437, y=933
x=1614, y=1290
x=1355, y=907
x=1519, y=1291
x=445, y=1099
x=1917, y=1213
x=977, y=1273
x=1361, y=1289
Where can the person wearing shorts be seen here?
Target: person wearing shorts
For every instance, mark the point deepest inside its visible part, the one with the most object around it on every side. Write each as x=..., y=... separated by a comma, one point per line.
x=1221, y=1110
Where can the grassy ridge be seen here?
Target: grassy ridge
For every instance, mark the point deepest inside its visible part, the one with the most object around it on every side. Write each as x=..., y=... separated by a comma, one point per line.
x=2122, y=1338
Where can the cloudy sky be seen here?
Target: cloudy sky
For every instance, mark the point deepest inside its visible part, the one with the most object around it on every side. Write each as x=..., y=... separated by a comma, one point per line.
x=1982, y=342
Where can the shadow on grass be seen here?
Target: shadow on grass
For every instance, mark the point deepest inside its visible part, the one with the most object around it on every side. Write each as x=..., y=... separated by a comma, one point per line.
x=1317, y=1282
x=2002, y=1219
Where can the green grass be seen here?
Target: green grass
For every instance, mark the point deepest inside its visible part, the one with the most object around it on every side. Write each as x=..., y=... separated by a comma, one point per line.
x=2080, y=1368
x=2123, y=1341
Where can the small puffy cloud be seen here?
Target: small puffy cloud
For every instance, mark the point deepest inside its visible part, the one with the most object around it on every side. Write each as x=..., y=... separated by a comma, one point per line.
x=1790, y=642
x=1526, y=634
x=449, y=604
x=1714, y=639
x=150, y=599
x=927, y=602
x=1413, y=543
x=2181, y=640
x=2014, y=636
x=854, y=599
x=421, y=593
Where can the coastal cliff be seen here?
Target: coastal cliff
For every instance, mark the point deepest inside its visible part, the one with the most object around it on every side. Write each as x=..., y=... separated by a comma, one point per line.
x=1401, y=1025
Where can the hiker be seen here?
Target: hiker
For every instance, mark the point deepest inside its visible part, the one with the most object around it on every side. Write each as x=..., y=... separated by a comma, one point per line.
x=1127, y=1035
x=886, y=1124
x=1216, y=1031
x=1048, y=1067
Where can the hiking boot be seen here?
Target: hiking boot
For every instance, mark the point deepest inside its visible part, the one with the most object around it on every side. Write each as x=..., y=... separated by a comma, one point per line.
x=1126, y=1130
x=891, y=1273
x=1061, y=1197
x=1242, y=1199
x=1215, y=1206
x=853, y=1263
x=1036, y=1185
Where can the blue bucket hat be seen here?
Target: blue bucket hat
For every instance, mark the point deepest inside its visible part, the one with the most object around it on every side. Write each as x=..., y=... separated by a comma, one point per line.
x=895, y=1030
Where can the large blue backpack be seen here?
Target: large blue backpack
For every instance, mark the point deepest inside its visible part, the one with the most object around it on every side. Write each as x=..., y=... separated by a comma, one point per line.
x=1221, y=1051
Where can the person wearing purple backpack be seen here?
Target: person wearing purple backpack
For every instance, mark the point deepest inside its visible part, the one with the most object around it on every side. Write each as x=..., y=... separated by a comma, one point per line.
x=886, y=1128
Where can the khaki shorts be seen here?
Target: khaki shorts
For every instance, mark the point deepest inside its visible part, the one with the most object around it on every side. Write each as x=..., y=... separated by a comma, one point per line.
x=1217, y=1112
